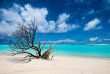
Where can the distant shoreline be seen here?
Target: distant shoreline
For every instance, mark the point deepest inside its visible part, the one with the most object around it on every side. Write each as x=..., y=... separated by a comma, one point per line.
x=99, y=44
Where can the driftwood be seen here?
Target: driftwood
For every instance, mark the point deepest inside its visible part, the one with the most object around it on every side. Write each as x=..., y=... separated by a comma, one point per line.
x=52, y=56
x=47, y=53
x=24, y=39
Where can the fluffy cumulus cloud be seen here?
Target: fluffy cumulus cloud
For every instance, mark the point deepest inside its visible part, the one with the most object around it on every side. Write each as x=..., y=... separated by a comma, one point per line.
x=93, y=39
x=92, y=25
x=62, y=41
x=62, y=25
x=18, y=14
x=10, y=18
x=5, y=28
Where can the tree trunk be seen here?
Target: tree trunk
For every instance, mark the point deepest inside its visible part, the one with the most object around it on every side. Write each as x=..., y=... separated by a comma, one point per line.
x=39, y=53
x=46, y=55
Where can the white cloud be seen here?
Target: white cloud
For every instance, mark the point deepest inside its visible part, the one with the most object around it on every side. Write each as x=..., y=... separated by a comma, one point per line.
x=63, y=18
x=11, y=14
x=10, y=19
x=5, y=28
x=18, y=14
x=62, y=25
x=92, y=25
x=62, y=41
x=29, y=13
x=94, y=39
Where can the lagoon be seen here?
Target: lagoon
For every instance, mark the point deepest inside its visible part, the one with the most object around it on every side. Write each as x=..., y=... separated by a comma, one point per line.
x=97, y=51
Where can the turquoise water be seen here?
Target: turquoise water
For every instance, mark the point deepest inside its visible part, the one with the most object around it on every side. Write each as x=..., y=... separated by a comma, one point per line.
x=98, y=51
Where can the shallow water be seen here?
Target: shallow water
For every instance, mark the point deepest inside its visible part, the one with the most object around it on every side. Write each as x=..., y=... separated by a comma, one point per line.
x=98, y=51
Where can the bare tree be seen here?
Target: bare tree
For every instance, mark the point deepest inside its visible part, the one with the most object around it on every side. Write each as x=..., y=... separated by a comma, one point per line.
x=24, y=39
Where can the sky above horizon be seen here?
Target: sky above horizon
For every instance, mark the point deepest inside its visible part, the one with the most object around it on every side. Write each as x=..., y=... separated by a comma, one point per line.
x=63, y=21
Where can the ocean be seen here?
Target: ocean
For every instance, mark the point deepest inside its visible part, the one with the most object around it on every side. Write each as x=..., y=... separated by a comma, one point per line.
x=97, y=51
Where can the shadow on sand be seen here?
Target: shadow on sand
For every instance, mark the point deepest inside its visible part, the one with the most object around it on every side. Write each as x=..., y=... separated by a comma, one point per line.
x=20, y=60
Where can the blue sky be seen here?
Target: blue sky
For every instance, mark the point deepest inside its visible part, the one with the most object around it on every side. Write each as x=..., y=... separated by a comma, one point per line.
x=64, y=21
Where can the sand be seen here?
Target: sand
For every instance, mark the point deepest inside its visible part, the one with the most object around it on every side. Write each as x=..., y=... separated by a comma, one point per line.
x=59, y=65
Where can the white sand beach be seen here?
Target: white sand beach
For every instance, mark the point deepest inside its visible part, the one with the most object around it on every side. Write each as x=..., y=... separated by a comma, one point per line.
x=59, y=65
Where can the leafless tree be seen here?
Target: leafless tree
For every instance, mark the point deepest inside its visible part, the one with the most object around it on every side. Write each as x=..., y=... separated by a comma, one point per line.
x=24, y=39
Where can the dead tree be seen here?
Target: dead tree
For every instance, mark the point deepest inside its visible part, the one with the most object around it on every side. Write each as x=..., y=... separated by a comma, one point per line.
x=24, y=39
